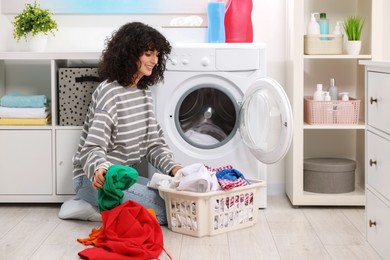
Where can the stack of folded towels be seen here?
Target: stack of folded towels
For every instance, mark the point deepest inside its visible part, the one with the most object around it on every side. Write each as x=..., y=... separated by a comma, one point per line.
x=16, y=109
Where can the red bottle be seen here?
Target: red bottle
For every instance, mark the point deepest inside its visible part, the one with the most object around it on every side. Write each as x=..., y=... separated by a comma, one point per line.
x=238, y=21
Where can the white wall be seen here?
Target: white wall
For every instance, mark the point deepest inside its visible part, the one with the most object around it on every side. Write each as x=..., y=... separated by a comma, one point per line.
x=386, y=30
x=87, y=33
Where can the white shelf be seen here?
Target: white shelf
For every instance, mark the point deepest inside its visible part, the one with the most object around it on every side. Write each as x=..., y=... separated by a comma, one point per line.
x=355, y=198
x=361, y=125
x=341, y=56
x=49, y=55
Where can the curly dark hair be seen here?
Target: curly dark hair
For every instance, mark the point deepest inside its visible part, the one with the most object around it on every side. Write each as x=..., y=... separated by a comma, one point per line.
x=123, y=50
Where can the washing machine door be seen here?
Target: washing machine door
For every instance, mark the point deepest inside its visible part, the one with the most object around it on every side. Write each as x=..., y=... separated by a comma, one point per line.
x=266, y=122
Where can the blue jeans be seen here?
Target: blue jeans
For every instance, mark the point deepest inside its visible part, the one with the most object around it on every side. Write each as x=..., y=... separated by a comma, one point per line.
x=138, y=192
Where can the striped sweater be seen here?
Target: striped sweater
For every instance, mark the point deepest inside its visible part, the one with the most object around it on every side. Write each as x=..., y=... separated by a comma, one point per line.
x=120, y=128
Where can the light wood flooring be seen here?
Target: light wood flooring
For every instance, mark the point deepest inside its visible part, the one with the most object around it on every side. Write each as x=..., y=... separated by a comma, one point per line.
x=33, y=231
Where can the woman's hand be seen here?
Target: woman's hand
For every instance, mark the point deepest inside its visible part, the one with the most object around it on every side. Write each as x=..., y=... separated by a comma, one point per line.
x=175, y=169
x=99, y=179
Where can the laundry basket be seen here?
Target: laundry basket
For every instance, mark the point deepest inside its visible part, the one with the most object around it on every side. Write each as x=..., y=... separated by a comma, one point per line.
x=212, y=213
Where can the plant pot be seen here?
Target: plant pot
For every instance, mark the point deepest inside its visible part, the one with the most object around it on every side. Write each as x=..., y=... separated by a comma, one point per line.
x=353, y=47
x=37, y=43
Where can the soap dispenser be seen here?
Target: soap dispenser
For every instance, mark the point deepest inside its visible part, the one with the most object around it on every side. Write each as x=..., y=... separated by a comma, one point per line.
x=318, y=94
x=313, y=27
x=337, y=28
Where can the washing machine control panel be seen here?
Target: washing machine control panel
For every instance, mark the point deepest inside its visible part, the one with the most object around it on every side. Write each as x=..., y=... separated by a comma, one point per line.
x=191, y=59
x=222, y=57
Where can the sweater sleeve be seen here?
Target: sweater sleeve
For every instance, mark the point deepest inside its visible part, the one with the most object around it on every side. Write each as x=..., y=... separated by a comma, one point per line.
x=159, y=154
x=93, y=155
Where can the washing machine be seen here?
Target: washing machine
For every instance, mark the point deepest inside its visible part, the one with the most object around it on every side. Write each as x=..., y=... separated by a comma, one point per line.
x=217, y=106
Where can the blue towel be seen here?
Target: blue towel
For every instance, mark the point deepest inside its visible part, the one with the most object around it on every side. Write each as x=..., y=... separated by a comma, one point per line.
x=230, y=174
x=14, y=100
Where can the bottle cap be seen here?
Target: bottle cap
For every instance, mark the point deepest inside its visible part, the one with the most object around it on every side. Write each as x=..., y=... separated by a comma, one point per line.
x=322, y=15
x=332, y=81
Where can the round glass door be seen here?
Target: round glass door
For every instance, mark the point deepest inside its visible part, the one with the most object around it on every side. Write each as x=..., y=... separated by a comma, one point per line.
x=207, y=117
x=266, y=123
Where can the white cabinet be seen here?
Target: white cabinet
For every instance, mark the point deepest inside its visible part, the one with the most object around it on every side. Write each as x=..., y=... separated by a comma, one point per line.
x=66, y=145
x=26, y=163
x=36, y=161
x=303, y=73
x=377, y=156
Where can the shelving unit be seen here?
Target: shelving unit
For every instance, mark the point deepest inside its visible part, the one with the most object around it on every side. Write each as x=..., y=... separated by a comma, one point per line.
x=303, y=73
x=36, y=163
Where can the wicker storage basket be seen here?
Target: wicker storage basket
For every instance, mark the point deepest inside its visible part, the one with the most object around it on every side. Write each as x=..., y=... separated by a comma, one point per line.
x=212, y=213
x=323, y=44
x=331, y=112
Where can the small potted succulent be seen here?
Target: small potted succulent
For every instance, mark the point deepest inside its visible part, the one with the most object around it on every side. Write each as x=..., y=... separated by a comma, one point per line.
x=34, y=23
x=353, y=27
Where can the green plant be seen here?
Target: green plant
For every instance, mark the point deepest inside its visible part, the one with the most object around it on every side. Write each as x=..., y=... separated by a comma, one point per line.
x=33, y=20
x=353, y=27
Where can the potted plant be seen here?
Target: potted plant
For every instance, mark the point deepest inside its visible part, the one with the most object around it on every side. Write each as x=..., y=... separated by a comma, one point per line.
x=33, y=24
x=353, y=27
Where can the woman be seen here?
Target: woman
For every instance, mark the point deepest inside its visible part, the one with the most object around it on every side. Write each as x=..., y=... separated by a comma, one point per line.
x=120, y=126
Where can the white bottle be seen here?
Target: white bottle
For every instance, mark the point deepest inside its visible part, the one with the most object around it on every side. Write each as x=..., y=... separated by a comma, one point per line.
x=337, y=28
x=327, y=96
x=318, y=94
x=313, y=27
x=333, y=92
x=345, y=96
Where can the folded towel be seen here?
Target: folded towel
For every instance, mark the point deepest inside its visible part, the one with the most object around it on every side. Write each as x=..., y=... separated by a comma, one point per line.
x=24, y=112
x=15, y=100
x=26, y=121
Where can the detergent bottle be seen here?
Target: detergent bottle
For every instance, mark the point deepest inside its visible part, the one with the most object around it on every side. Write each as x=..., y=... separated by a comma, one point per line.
x=216, y=16
x=238, y=21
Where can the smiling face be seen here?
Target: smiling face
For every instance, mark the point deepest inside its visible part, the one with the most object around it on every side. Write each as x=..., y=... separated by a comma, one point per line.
x=146, y=63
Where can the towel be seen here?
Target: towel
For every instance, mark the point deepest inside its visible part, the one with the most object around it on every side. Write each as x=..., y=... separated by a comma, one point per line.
x=16, y=100
x=231, y=178
x=118, y=178
x=197, y=178
x=25, y=121
x=20, y=112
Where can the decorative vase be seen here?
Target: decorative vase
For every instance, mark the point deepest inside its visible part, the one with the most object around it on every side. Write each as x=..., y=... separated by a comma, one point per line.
x=353, y=47
x=37, y=43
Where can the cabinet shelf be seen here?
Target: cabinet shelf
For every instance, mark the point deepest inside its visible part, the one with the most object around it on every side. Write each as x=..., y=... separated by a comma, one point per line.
x=342, y=56
x=361, y=125
x=355, y=198
x=49, y=55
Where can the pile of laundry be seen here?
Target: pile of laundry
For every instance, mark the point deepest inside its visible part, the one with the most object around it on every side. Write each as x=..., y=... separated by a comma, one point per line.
x=228, y=209
x=200, y=178
x=129, y=230
x=19, y=109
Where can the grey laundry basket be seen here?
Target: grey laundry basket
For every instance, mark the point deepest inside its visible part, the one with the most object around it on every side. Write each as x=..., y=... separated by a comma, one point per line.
x=75, y=88
x=329, y=175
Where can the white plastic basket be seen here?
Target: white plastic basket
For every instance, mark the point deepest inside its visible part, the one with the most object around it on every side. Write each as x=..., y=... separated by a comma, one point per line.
x=212, y=213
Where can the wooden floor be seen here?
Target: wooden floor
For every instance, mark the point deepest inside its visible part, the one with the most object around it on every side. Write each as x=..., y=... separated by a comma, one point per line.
x=282, y=232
